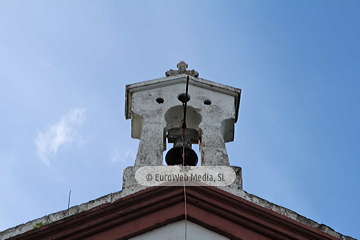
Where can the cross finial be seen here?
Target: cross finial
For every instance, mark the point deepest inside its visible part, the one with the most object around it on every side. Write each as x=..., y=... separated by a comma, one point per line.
x=182, y=66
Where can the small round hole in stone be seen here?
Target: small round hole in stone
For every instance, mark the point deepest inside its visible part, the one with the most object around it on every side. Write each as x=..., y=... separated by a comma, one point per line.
x=207, y=102
x=183, y=98
x=159, y=100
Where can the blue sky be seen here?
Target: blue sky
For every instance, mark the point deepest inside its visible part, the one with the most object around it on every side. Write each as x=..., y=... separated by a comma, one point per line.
x=64, y=66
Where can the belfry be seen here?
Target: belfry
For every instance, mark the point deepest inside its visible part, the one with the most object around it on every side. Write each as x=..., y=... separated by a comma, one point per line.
x=156, y=111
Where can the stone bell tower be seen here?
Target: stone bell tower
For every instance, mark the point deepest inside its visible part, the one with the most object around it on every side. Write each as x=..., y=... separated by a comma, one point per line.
x=155, y=108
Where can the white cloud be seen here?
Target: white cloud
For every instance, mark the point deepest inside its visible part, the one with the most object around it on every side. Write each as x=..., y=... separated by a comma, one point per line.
x=115, y=155
x=123, y=156
x=49, y=140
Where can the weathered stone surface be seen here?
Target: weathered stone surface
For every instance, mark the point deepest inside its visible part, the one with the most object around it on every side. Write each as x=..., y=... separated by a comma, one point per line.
x=182, y=66
x=154, y=109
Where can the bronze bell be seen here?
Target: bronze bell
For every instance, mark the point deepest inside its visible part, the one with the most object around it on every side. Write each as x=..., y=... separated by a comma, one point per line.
x=175, y=155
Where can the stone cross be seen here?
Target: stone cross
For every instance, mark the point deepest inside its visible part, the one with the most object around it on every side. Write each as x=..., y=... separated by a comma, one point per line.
x=182, y=66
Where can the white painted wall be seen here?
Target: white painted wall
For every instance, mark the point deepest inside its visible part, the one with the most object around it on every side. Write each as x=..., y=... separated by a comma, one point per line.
x=176, y=231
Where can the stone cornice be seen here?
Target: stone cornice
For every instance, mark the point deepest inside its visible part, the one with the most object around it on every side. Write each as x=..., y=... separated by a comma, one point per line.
x=152, y=208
